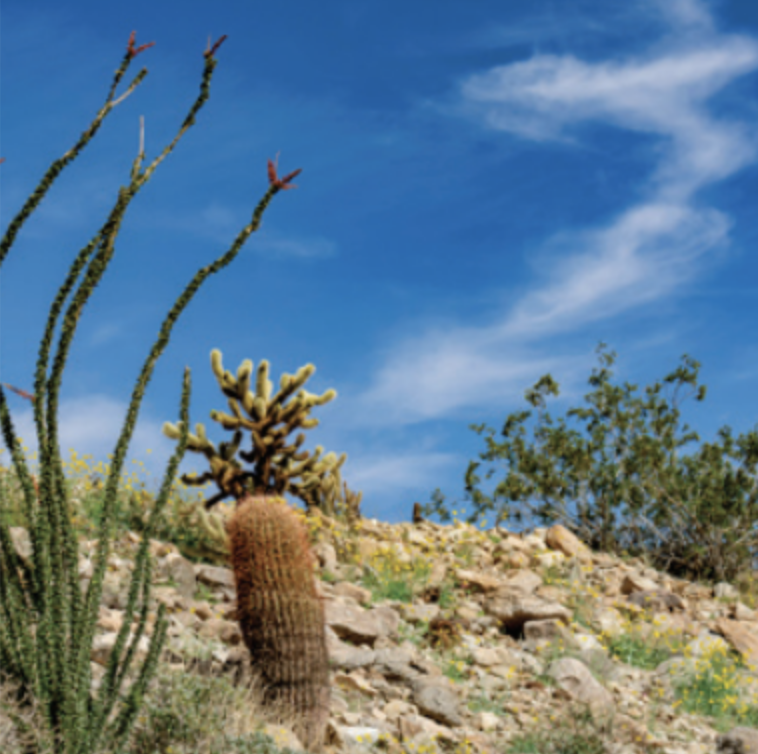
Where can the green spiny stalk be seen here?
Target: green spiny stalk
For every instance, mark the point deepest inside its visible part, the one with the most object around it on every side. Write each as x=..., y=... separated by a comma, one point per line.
x=54, y=665
x=57, y=167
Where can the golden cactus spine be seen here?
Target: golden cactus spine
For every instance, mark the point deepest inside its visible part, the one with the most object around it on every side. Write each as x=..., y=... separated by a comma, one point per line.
x=280, y=612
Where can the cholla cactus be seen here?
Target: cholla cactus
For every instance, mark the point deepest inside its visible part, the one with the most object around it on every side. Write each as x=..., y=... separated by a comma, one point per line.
x=278, y=468
x=278, y=607
x=333, y=497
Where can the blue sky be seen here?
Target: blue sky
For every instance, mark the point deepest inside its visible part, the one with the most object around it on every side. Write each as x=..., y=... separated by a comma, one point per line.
x=488, y=190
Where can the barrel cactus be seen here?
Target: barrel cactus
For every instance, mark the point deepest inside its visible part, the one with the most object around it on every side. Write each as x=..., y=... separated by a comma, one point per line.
x=280, y=613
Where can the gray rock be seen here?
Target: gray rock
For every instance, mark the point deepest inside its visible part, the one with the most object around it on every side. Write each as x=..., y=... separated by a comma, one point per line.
x=738, y=741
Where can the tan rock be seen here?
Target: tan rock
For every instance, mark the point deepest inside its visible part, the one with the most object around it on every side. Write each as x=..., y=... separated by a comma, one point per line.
x=561, y=539
x=575, y=678
x=477, y=581
x=742, y=638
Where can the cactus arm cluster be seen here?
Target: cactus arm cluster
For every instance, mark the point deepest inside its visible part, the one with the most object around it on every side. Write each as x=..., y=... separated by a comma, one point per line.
x=276, y=464
x=333, y=497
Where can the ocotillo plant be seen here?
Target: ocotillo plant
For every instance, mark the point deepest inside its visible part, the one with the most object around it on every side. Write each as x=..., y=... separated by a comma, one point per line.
x=46, y=625
x=280, y=613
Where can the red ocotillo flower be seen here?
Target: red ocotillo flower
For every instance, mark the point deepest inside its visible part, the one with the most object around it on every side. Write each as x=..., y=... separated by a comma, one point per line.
x=130, y=47
x=282, y=183
x=210, y=50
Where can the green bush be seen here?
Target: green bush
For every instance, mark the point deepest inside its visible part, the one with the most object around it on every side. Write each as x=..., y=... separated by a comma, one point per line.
x=692, y=517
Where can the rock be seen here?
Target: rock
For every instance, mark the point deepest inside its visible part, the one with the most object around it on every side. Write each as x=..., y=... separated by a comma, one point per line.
x=742, y=638
x=575, y=678
x=724, y=590
x=489, y=640
x=182, y=572
x=657, y=600
x=477, y=582
x=513, y=611
x=541, y=632
x=740, y=612
x=351, y=622
x=636, y=582
x=438, y=700
x=738, y=741
x=561, y=539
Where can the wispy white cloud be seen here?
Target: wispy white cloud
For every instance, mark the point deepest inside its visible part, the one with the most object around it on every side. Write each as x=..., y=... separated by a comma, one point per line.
x=274, y=244
x=643, y=256
x=687, y=14
x=445, y=373
x=539, y=98
x=387, y=473
x=648, y=252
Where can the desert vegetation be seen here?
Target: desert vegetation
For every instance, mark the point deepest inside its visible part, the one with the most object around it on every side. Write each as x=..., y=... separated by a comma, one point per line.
x=184, y=712
x=691, y=517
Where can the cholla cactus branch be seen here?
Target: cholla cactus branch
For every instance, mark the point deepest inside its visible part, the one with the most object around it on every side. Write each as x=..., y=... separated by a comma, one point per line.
x=276, y=464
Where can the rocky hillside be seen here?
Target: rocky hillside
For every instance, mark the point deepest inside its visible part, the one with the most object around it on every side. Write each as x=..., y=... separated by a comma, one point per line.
x=449, y=639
